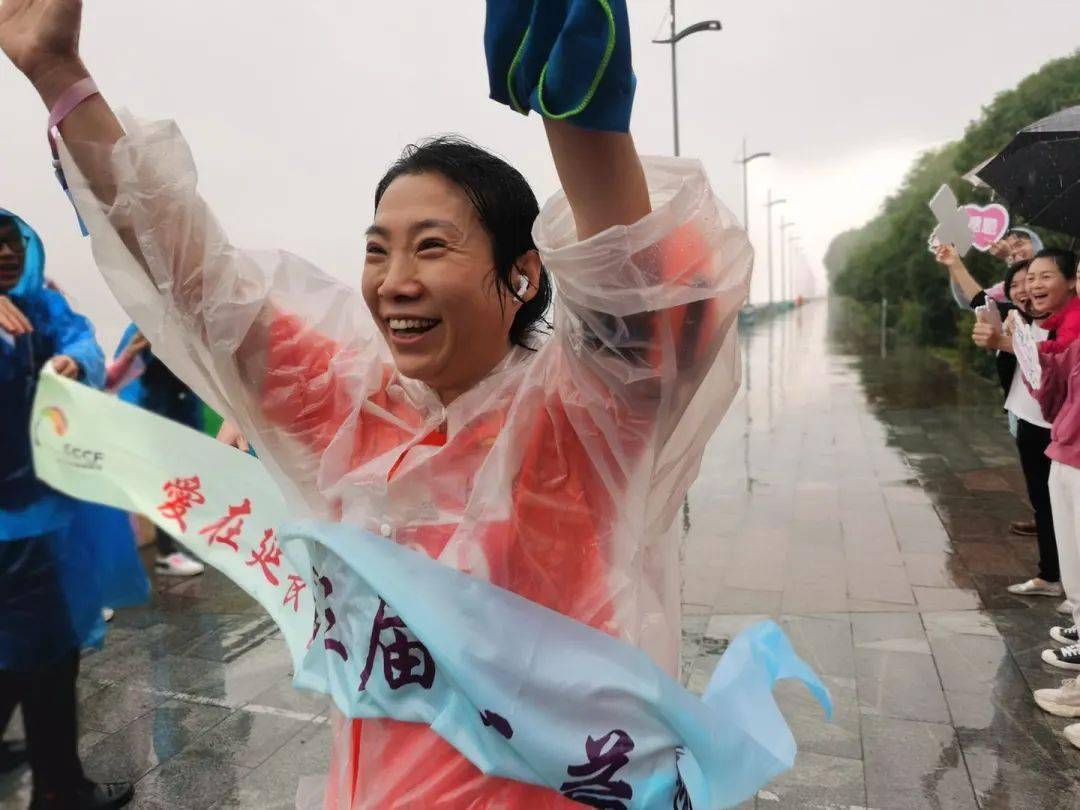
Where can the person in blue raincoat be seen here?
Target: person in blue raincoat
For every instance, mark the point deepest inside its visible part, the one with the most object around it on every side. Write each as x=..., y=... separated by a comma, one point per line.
x=153, y=387
x=50, y=593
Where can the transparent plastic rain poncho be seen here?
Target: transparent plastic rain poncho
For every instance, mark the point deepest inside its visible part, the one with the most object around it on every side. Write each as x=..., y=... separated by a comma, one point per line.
x=557, y=477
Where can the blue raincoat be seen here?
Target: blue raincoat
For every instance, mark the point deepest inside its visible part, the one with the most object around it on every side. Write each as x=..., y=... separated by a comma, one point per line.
x=61, y=560
x=566, y=59
x=159, y=390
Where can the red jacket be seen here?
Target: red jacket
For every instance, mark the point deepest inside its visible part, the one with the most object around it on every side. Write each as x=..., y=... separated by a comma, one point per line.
x=1059, y=398
x=1065, y=326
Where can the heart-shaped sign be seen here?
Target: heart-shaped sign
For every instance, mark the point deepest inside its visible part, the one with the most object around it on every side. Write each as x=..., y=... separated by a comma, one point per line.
x=988, y=223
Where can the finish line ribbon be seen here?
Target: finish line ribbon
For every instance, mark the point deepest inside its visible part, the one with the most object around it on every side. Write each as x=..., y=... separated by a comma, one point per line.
x=523, y=692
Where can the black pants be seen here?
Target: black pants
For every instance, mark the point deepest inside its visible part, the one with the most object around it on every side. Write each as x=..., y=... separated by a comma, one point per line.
x=165, y=544
x=48, y=702
x=1032, y=442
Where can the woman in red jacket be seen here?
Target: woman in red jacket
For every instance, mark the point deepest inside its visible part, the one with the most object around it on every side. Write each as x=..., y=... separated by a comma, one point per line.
x=1059, y=397
x=1051, y=293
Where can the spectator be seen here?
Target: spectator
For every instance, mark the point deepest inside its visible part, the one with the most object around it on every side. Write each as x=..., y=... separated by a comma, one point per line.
x=1052, y=287
x=1059, y=397
x=50, y=602
x=150, y=385
x=1026, y=423
x=1018, y=245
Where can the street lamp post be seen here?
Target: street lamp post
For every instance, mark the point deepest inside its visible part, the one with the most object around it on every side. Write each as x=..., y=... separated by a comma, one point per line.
x=785, y=269
x=792, y=240
x=745, y=182
x=673, y=40
x=768, y=208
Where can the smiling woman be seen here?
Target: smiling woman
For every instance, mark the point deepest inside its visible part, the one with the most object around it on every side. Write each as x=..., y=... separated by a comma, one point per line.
x=1051, y=281
x=451, y=263
x=434, y=409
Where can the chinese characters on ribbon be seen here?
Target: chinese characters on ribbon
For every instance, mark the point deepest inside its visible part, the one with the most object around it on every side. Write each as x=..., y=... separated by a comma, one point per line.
x=228, y=528
x=405, y=660
x=595, y=784
x=332, y=644
x=182, y=495
x=268, y=555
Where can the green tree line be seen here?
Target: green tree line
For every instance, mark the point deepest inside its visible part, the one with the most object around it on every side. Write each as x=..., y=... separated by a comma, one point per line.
x=888, y=257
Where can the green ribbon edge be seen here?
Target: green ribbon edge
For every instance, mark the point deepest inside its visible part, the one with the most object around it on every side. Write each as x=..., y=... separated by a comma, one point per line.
x=601, y=70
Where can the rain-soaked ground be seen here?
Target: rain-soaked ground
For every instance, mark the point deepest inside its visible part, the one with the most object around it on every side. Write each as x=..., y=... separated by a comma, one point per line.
x=863, y=501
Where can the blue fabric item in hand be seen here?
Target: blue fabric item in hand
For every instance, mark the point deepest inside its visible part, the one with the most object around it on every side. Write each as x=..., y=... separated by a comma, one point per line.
x=566, y=59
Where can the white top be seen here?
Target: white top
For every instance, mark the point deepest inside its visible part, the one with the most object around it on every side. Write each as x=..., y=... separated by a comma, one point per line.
x=1020, y=403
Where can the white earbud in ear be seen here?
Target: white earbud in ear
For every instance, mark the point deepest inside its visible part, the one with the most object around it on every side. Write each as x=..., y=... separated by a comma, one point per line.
x=523, y=286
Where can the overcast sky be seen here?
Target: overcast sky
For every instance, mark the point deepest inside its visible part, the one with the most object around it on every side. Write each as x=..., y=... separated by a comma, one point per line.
x=295, y=109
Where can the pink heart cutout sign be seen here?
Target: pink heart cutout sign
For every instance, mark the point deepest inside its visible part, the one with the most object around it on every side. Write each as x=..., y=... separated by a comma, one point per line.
x=988, y=223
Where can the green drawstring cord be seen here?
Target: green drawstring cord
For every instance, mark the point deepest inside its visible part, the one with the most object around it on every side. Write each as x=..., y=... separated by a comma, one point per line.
x=514, y=66
x=604, y=62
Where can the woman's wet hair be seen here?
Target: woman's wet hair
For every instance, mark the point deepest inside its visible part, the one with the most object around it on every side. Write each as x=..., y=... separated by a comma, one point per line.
x=1064, y=259
x=8, y=222
x=505, y=205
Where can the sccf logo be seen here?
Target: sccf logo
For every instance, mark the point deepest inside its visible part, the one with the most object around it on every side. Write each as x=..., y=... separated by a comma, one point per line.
x=83, y=457
x=51, y=417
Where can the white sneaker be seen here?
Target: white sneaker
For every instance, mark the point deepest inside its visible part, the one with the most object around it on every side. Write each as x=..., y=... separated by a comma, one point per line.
x=1066, y=608
x=1072, y=734
x=1063, y=701
x=107, y=614
x=178, y=564
x=1034, y=588
x=1065, y=635
x=1065, y=658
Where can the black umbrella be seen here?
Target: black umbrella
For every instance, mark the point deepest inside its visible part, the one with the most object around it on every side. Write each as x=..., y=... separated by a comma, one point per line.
x=1038, y=173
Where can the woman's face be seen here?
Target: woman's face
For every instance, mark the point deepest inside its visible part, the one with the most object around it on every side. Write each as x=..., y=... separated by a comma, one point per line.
x=1021, y=248
x=12, y=255
x=1018, y=292
x=1048, y=289
x=430, y=285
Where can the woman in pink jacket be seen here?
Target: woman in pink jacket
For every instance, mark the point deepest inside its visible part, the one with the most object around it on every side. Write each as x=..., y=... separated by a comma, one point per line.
x=1059, y=397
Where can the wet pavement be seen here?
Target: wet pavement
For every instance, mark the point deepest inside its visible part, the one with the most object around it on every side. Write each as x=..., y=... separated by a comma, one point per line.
x=861, y=500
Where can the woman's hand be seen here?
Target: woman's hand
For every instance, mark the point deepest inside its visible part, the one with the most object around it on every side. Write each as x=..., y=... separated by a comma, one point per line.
x=947, y=255
x=136, y=345
x=983, y=336
x=12, y=319
x=41, y=38
x=987, y=337
x=65, y=366
x=230, y=434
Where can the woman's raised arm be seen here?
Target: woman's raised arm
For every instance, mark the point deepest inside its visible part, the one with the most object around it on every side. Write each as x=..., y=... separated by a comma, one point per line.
x=41, y=38
x=601, y=174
